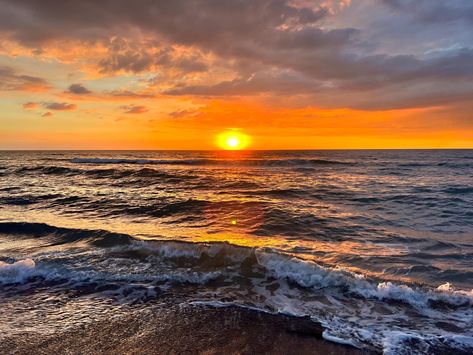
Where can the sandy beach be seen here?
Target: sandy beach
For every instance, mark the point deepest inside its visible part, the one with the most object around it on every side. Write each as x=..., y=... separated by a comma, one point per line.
x=185, y=329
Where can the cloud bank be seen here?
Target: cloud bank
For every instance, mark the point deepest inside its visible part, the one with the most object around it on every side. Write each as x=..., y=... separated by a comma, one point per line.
x=365, y=55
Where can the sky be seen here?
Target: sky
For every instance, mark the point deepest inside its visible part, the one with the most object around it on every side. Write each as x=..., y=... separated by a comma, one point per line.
x=290, y=74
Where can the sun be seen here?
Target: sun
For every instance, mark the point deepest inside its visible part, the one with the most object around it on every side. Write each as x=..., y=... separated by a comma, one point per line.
x=233, y=140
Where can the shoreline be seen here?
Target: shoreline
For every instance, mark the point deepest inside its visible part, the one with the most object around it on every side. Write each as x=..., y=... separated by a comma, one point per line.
x=186, y=329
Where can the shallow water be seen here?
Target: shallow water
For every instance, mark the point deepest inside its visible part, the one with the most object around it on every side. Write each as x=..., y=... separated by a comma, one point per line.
x=376, y=245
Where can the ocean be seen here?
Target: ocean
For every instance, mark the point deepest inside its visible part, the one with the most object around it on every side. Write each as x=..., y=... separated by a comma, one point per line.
x=375, y=245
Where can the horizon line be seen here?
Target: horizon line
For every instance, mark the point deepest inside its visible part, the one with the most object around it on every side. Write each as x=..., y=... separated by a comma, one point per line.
x=219, y=150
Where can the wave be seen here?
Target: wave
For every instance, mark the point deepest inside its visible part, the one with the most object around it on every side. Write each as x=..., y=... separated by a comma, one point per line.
x=400, y=167
x=60, y=235
x=105, y=173
x=21, y=200
x=204, y=161
x=120, y=266
x=458, y=190
x=17, y=272
x=48, y=170
x=306, y=274
x=138, y=161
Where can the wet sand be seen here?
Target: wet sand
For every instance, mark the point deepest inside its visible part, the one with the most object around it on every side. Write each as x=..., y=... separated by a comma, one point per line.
x=185, y=329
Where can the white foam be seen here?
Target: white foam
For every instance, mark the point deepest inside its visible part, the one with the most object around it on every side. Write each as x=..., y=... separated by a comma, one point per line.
x=327, y=336
x=399, y=342
x=169, y=249
x=311, y=275
x=18, y=271
x=192, y=250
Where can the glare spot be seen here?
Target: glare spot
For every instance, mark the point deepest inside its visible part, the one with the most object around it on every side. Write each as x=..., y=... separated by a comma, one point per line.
x=233, y=140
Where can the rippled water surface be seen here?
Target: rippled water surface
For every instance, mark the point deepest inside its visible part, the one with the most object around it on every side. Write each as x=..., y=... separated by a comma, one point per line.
x=376, y=245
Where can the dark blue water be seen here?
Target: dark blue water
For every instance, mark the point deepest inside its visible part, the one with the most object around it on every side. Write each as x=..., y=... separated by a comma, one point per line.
x=376, y=245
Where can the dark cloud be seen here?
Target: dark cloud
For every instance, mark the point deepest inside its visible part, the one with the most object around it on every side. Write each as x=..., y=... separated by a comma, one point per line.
x=59, y=106
x=396, y=82
x=78, y=89
x=134, y=109
x=188, y=63
x=137, y=56
x=10, y=80
x=126, y=55
x=399, y=96
x=278, y=47
x=186, y=21
x=272, y=81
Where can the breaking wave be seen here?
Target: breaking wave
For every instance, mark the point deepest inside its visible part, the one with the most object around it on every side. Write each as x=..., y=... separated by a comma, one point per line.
x=306, y=274
x=125, y=268
x=18, y=271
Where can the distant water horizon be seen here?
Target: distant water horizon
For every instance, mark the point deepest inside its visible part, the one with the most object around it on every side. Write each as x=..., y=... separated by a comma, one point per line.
x=375, y=244
x=245, y=150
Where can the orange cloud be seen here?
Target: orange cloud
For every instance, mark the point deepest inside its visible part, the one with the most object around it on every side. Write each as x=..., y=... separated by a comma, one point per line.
x=30, y=105
x=10, y=80
x=134, y=109
x=59, y=106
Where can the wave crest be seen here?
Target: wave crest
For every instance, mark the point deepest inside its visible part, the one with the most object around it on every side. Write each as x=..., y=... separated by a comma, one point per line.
x=17, y=272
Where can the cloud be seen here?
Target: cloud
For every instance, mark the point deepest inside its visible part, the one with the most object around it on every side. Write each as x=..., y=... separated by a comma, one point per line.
x=30, y=105
x=196, y=21
x=11, y=81
x=128, y=94
x=78, y=89
x=396, y=82
x=59, y=106
x=329, y=53
x=55, y=106
x=277, y=82
x=185, y=113
x=134, y=109
x=47, y=114
x=127, y=56
x=136, y=56
x=430, y=11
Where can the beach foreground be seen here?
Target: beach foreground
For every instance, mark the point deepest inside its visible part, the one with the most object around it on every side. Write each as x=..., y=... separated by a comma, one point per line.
x=106, y=252
x=185, y=329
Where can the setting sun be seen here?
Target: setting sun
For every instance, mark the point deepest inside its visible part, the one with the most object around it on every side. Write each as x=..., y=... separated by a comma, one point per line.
x=233, y=140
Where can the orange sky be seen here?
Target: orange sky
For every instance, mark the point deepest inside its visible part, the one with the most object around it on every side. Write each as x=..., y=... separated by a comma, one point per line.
x=290, y=74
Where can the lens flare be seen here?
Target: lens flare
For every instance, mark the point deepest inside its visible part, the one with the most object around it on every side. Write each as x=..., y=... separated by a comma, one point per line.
x=233, y=140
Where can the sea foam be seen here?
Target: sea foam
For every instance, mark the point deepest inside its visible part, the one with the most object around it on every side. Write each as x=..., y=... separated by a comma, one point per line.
x=17, y=272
